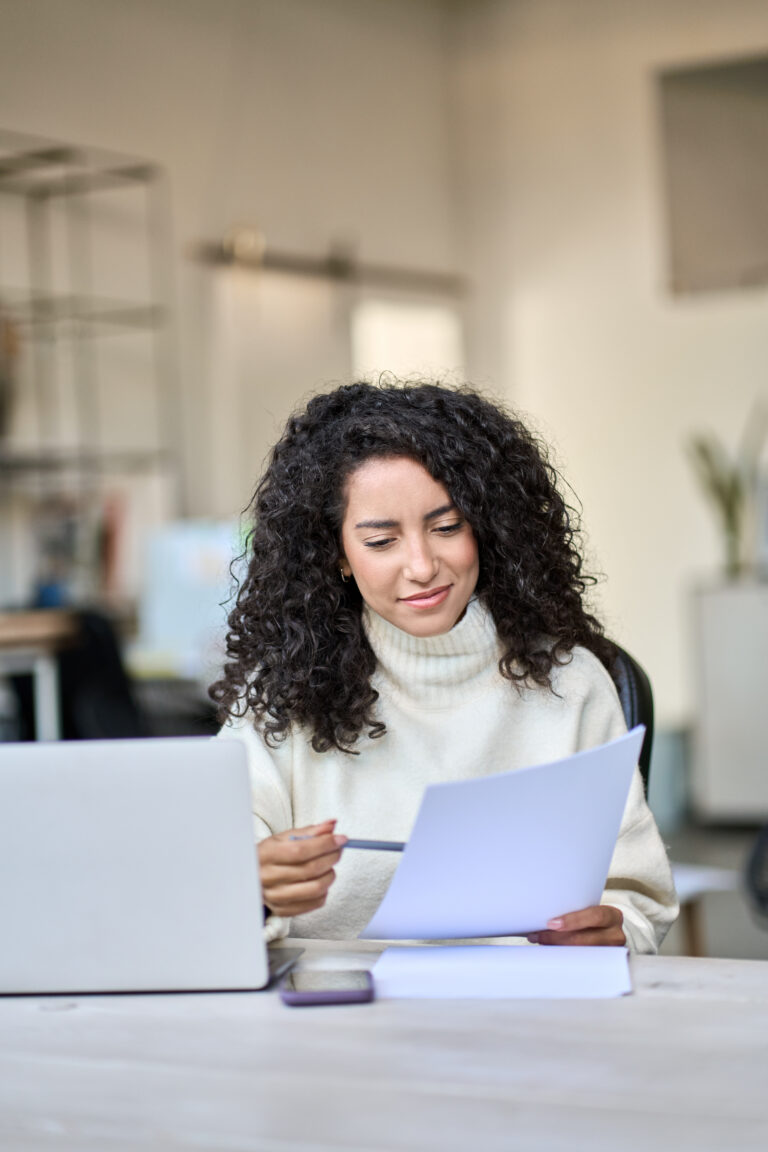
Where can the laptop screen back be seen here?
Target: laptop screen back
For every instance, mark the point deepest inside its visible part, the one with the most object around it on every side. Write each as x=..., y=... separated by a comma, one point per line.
x=128, y=865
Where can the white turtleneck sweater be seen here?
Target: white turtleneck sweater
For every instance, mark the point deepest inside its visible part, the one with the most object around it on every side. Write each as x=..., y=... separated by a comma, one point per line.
x=450, y=715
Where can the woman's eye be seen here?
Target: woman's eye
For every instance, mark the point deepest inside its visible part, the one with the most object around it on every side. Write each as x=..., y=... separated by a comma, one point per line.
x=378, y=543
x=449, y=529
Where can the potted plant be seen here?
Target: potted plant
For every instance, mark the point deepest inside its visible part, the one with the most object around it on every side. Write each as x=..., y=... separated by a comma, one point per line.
x=731, y=485
x=727, y=776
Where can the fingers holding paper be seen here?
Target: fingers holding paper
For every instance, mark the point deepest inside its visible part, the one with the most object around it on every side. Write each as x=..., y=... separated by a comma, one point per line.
x=602, y=924
x=297, y=868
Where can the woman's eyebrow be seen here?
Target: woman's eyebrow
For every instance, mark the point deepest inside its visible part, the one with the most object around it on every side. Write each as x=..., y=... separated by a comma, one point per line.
x=377, y=524
x=441, y=511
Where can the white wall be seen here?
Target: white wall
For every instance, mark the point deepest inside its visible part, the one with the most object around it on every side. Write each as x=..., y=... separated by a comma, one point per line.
x=316, y=121
x=559, y=150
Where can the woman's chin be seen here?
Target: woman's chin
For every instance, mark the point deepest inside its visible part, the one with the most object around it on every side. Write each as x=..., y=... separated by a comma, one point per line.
x=418, y=622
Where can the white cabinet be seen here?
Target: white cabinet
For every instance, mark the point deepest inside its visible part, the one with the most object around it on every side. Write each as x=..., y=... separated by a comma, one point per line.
x=729, y=766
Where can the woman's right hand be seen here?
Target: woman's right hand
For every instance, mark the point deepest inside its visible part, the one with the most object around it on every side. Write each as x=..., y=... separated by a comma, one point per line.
x=297, y=868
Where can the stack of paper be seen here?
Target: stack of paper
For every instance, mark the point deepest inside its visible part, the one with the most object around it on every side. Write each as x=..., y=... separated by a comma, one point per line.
x=493, y=972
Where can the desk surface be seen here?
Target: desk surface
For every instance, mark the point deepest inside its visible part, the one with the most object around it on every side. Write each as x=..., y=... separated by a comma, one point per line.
x=682, y=1064
x=44, y=628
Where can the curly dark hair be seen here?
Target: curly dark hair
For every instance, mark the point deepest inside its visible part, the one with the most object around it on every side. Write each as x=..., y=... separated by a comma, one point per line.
x=297, y=651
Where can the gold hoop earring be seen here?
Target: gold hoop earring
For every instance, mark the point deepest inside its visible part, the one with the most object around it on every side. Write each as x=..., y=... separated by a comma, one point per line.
x=343, y=577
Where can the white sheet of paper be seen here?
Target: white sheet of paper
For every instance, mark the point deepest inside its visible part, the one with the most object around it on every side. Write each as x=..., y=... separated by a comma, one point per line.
x=501, y=855
x=493, y=972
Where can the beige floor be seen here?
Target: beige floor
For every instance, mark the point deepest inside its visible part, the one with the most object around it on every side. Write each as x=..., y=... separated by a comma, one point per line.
x=728, y=926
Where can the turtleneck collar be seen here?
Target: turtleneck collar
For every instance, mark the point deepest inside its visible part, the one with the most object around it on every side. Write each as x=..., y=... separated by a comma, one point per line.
x=435, y=671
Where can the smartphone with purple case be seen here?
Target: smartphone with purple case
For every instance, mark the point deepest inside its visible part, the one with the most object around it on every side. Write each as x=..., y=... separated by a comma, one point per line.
x=332, y=987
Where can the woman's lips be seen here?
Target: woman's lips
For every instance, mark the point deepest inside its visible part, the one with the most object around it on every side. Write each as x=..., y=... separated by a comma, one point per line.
x=428, y=599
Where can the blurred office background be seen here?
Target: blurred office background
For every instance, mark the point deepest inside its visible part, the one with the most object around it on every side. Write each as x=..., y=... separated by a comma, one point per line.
x=210, y=210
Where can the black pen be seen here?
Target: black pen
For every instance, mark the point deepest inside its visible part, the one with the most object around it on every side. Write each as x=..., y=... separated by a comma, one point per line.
x=381, y=845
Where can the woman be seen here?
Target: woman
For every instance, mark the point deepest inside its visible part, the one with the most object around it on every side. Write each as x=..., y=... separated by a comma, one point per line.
x=412, y=613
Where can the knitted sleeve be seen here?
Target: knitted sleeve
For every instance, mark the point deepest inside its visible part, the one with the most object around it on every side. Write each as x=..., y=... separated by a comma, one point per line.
x=270, y=791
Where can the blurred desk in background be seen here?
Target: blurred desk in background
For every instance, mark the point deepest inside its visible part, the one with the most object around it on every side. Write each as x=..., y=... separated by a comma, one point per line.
x=29, y=642
x=692, y=883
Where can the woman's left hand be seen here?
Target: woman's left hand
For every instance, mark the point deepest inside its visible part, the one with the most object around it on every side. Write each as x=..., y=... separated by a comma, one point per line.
x=600, y=924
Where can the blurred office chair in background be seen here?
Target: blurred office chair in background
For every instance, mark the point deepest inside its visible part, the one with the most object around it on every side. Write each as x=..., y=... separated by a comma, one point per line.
x=757, y=875
x=692, y=881
x=636, y=698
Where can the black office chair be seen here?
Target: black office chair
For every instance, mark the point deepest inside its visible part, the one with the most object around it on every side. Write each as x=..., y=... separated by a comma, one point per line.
x=757, y=875
x=636, y=697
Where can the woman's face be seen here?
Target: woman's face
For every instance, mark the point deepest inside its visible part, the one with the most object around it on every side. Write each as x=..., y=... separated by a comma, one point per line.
x=411, y=552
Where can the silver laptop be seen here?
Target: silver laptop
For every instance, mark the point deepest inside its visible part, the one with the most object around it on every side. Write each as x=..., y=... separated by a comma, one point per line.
x=127, y=866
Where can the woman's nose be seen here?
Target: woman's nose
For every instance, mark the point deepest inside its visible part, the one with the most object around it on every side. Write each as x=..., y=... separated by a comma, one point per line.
x=421, y=564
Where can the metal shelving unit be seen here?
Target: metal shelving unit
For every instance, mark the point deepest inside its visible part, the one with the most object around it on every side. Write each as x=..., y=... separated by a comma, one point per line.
x=85, y=266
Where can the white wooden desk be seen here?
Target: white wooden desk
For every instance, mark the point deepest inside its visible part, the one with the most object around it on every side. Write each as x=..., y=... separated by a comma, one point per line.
x=682, y=1064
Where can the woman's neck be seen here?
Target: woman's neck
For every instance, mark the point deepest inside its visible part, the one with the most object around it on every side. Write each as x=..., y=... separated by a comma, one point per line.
x=434, y=670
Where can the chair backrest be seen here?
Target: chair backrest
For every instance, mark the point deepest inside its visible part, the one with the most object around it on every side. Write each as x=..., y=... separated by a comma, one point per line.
x=757, y=874
x=636, y=697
